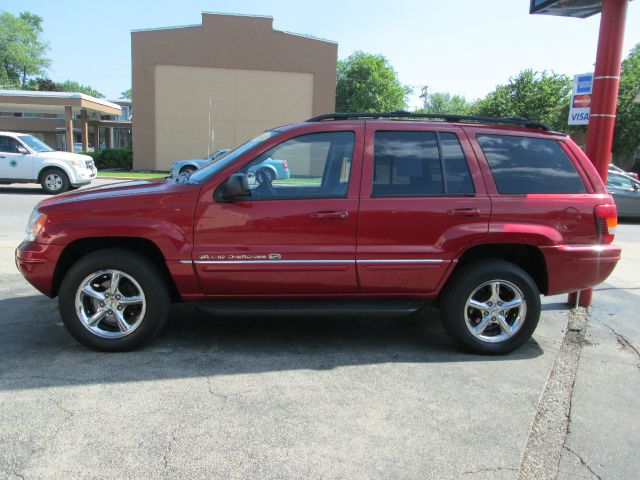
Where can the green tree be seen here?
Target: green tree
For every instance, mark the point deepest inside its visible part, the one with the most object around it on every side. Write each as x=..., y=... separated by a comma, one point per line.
x=73, y=86
x=442, y=102
x=626, y=138
x=44, y=84
x=368, y=83
x=534, y=95
x=22, y=49
x=126, y=94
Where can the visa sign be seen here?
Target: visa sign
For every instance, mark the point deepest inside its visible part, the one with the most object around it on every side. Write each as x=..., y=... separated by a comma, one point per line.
x=581, y=99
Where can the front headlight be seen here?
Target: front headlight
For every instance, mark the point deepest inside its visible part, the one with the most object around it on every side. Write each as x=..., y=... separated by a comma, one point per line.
x=35, y=225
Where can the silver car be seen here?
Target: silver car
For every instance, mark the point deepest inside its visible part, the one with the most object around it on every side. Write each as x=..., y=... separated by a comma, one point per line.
x=626, y=193
x=187, y=167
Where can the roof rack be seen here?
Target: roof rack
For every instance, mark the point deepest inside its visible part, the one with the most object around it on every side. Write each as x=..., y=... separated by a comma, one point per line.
x=398, y=115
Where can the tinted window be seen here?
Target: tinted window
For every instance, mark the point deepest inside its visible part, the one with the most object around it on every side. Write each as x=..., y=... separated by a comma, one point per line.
x=419, y=163
x=406, y=163
x=309, y=166
x=523, y=165
x=457, y=175
x=8, y=145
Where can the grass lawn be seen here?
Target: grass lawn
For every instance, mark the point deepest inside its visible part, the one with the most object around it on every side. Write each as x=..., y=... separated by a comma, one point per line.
x=131, y=175
x=308, y=181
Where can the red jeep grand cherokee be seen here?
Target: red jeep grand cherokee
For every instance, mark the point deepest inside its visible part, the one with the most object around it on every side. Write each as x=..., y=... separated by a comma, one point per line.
x=382, y=214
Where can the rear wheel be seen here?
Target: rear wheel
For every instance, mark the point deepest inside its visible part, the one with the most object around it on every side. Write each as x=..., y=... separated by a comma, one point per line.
x=490, y=306
x=54, y=181
x=266, y=175
x=113, y=300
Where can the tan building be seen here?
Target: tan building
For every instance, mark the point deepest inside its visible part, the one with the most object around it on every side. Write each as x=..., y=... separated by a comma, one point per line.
x=67, y=120
x=201, y=88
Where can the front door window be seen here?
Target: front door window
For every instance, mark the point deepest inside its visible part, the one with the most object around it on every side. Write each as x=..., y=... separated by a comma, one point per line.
x=309, y=166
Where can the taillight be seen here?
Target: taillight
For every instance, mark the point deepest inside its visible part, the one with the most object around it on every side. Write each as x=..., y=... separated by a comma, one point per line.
x=284, y=165
x=607, y=221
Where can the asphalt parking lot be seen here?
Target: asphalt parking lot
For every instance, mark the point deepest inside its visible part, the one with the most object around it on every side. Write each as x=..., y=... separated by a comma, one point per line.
x=323, y=398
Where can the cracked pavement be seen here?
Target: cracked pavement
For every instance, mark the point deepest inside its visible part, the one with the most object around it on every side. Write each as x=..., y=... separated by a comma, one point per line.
x=322, y=398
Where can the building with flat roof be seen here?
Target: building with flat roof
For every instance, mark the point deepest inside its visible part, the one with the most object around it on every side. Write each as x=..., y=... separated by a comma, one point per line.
x=204, y=87
x=67, y=119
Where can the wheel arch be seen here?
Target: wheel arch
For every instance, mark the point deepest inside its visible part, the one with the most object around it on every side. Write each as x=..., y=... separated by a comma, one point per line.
x=187, y=166
x=270, y=167
x=55, y=165
x=528, y=257
x=77, y=249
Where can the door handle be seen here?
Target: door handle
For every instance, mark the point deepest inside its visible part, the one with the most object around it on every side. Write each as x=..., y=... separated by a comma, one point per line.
x=1, y=156
x=464, y=212
x=338, y=215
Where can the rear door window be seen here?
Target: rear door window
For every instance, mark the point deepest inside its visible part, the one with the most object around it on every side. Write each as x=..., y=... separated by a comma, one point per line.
x=522, y=165
x=419, y=163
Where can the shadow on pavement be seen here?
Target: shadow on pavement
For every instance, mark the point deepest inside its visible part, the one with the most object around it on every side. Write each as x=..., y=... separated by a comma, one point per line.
x=22, y=190
x=36, y=351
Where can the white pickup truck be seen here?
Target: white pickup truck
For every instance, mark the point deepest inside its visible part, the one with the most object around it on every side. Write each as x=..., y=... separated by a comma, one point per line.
x=26, y=159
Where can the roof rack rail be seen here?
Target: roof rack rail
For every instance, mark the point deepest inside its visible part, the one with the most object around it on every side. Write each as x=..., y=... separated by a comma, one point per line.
x=433, y=116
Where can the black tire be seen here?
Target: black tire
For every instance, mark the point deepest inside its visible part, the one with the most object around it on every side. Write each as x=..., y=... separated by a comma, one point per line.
x=267, y=175
x=149, y=279
x=459, y=289
x=54, y=181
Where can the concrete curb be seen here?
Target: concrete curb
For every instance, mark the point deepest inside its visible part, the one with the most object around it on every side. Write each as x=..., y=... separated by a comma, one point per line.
x=548, y=434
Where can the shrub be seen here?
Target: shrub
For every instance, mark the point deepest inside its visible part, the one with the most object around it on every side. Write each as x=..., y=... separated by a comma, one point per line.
x=113, y=158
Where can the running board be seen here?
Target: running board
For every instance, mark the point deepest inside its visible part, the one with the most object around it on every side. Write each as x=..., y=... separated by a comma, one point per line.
x=311, y=307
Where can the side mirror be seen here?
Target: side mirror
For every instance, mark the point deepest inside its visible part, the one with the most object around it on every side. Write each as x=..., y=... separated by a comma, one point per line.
x=22, y=150
x=235, y=188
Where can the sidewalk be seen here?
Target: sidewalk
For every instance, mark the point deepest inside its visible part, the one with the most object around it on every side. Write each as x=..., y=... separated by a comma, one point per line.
x=604, y=427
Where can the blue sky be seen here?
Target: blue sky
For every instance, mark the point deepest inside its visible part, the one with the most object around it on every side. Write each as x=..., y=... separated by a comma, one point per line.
x=459, y=46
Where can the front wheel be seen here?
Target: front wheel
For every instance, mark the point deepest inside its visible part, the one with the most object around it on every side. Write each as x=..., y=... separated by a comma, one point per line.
x=113, y=300
x=54, y=181
x=186, y=172
x=490, y=307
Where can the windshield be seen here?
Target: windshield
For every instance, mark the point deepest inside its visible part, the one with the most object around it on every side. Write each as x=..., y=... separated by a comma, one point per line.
x=213, y=167
x=35, y=143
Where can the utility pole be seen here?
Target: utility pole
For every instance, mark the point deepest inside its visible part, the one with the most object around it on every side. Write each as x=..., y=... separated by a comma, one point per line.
x=424, y=96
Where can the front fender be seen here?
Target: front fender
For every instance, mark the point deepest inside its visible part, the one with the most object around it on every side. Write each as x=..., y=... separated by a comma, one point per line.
x=173, y=240
x=64, y=166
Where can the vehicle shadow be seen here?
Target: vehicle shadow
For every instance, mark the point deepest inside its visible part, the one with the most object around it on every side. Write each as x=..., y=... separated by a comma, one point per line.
x=35, y=190
x=36, y=351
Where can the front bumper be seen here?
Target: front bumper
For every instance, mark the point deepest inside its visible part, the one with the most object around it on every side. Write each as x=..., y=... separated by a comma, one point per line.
x=575, y=267
x=37, y=263
x=84, y=176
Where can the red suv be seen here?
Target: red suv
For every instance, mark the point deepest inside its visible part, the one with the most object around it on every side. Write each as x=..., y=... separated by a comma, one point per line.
x=382, y=214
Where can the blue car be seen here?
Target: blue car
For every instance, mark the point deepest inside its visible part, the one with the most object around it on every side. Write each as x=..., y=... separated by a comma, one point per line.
x=187, y=167
x=270, y=170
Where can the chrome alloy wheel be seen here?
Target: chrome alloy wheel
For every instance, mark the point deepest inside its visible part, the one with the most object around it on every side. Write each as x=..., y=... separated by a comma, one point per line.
x=495, y=311
x=110, y=303
x=53, y=181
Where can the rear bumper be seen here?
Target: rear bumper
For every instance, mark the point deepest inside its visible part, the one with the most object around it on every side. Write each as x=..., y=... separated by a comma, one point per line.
x=574, y=267
x=37, y=263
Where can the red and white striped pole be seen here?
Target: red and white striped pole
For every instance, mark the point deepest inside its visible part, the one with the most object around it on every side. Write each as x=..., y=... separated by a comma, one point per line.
x=604, y=99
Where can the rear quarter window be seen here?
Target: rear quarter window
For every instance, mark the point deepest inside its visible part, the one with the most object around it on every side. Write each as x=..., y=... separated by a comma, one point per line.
x=522, y=165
